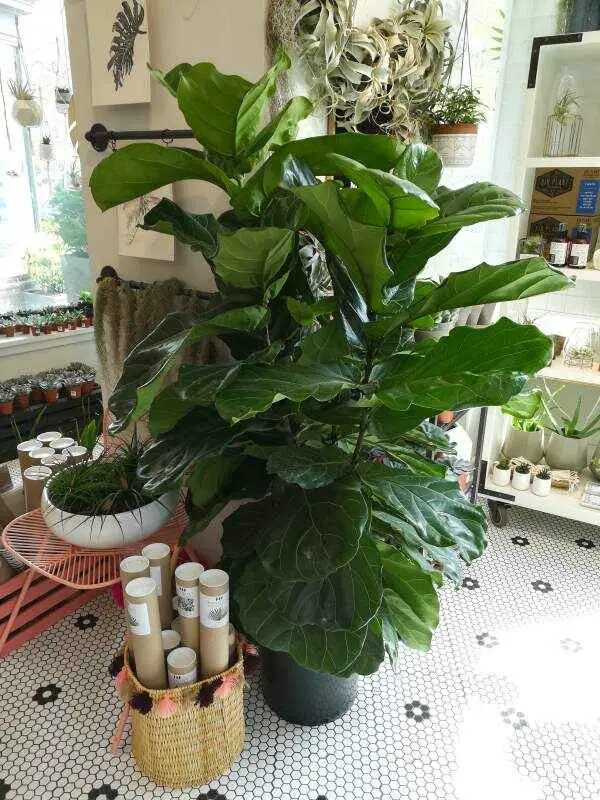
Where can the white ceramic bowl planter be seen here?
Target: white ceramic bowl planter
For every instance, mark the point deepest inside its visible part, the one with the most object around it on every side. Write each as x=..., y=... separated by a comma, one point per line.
x=541, y=486
x=455, y=144
x=501, y=477
x=563, y=452
x=524, y=444
x=106, y=532
x=521, y=480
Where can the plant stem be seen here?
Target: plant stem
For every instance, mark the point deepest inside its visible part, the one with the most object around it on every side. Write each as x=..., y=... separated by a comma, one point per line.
x=366, y=415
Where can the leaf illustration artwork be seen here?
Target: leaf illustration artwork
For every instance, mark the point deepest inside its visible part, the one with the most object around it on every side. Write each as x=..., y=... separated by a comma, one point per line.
x=135, y=211
x=218, y=613
x=126, y=27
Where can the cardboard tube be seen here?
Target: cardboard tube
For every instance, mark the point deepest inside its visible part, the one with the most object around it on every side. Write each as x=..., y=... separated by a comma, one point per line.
x=159, y=556
x=214, y=622
x=55, y=462
x=182, y=667
x=170, y=639
x=24, y=449
x=176, y=625
x=175, y=603
x=45, y=438
x=37, y=456
x=186, y=583
x=77, y=454
x=133, y=567
x=232, y=638
x=62, y=445
x=34, y=480
x=145, y=636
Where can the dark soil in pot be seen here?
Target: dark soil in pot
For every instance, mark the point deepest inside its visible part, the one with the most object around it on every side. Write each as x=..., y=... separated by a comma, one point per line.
x=303, y=696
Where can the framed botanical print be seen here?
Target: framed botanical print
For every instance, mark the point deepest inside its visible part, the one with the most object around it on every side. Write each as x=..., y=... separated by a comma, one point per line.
x=137, y=243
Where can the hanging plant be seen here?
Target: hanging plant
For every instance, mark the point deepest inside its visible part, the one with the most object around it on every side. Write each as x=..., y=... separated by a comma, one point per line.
x=26, y=110
x=455, y=120
x=46, y=149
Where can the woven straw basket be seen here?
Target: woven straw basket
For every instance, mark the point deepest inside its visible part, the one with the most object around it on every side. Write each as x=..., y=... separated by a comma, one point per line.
x=196, y=744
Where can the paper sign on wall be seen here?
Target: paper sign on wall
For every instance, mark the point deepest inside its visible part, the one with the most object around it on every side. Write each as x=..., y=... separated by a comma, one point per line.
x=137, y=243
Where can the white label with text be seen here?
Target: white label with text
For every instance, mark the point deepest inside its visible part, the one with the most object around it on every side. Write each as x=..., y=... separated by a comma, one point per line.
x=214, y=611
x=138, y=618
x=188, y=601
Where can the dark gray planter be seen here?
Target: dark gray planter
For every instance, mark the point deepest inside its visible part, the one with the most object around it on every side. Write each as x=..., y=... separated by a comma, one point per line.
x=301, y=695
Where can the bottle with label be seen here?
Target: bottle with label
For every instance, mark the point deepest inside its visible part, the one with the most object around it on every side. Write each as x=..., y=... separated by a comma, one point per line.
x=579, y=249
x=559, y=246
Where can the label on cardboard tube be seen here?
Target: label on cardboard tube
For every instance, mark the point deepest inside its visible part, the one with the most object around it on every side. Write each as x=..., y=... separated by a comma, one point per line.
x=138, y=619
x=156, y=576
x=188, y=601
x=182, y=680
x=214, y=611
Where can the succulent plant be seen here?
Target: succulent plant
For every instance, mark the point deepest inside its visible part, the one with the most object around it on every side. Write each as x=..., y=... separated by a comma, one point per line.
x=544, y=473
x=503, y=462
x=523, y=467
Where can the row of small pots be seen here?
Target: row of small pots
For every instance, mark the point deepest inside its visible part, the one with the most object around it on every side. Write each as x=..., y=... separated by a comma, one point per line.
x=522, y=481
x=50, y=327
x=39, y=395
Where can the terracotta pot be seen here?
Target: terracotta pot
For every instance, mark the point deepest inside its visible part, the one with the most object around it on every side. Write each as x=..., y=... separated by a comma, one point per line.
x=34, y=331
x=36, y=396
x=7, y=408
x=74, y=392
x=51, y=395
x=22, y=401
x=47, y=328
x=455, y=144
x=88, y=387
x=89, y=321
x=9, y=330
x=73, y=324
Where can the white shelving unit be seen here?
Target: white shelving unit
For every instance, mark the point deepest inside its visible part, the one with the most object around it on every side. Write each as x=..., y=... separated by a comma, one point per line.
x=550, y=55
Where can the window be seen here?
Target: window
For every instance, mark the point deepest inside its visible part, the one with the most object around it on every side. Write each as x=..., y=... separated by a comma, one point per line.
x=43, y=248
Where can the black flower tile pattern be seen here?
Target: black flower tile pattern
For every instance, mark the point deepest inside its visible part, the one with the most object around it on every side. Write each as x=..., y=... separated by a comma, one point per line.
x=520, y=541
x=410, y=735
x=47, y=694
x=86, y=621
x=586, y=544
x=542, y=586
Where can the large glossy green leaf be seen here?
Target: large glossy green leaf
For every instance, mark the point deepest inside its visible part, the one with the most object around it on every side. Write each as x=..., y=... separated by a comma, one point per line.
x=308, y=467
x=149, y=362
x=410, y=599
x=138, y=169
x=465, y=369
x=199, y=383
x=382, y=199
x=306, y=313
x=485, y=283
x=326, y=344
x=255, y=388
x=391, y=425
x=283, y=127
x=352, y=306
x=420, y=165
x=210, y=476
x=360, y=247
x=243, y=528
x=199, y=231
x=170, y=80
x=437, y=509
x=252, y=258
x=167, y=409
x=525, y=406
x=312, y=533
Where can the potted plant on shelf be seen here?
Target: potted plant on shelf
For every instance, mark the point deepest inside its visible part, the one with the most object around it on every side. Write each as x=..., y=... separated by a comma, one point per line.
x=46, y=149
x=532, y=245
x=501, y=473
x=36, y=395
x=26, y=110
x=51, y=385
x=542, y=481
x=8, y=326
x=455, y=118
x=73, y=382
x=570, y=434
x=22, y=388
x=525, y=436
x=521, y=477
x=101, y=504
x=7, y=398
x=321, y=414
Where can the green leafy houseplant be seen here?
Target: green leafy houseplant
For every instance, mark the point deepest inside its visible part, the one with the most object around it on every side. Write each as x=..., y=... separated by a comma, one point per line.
x=321, y=414
x=458, y=105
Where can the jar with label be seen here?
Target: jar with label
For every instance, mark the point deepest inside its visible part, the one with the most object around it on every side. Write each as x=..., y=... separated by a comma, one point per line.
x=579, y=248
x=559, y=246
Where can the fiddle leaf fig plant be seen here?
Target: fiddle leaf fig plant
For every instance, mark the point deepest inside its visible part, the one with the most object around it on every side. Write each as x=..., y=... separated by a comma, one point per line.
x=320, y=415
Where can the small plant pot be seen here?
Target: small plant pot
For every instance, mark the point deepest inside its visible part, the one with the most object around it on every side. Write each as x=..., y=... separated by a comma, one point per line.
x=36, y=396
x=75, y=392
x=521, y=481
x=88, y=387
x=455, y=144
x=9, y=331
x=47, y=328
x=51, y=395
x=565, y=453
x=541, y=486
x=34, y=330
x=6, y=408
x=22, y=401
x=88, y=322
x=73, y=324
x=524, y=444
x=46, y=152
x=501, y=477
x=59, y=327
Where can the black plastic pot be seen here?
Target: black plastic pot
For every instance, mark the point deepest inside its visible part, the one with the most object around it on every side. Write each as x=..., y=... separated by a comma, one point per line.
x=301, y=695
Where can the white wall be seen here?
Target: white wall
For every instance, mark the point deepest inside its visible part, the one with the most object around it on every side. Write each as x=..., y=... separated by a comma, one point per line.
x=230, y=34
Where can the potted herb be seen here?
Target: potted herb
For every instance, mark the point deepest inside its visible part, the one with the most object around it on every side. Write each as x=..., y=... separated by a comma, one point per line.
x=521, y=477
x=51, y=385
x=321, y=415
x=455, y=117
x=73, y=382
x=501, y=473
x=570, y=433
x=525, y=436
x=46, y=149
x=26, y=110
x=102, y=504
x=7, y=397
x=542, y=482
x=22, y=388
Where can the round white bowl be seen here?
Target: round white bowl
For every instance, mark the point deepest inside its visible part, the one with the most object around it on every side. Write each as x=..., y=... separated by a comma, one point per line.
x=110, y=531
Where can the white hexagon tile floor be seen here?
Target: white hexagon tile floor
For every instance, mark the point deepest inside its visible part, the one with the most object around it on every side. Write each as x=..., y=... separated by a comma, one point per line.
x=505, y=705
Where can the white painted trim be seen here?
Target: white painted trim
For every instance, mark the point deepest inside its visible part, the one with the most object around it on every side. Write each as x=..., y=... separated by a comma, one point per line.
x=18, y=6
x=15, y=345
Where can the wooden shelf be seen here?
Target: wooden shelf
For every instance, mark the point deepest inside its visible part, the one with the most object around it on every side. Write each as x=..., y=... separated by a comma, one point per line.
x=559, y=372
x=535, y=162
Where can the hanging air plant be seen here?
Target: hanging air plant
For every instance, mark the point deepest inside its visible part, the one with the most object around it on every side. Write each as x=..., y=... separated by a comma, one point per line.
x=127, y=27
x=26, y=110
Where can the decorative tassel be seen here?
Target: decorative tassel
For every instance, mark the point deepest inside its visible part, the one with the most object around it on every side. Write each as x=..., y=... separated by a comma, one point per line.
x=166, y=706
x=141, y=702
x=121, y=679
x=116, y=665
x=206, y=694
x=228, y=684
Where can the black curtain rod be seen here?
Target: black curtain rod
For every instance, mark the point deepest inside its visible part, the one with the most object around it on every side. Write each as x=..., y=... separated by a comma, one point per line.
x=100, y=137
